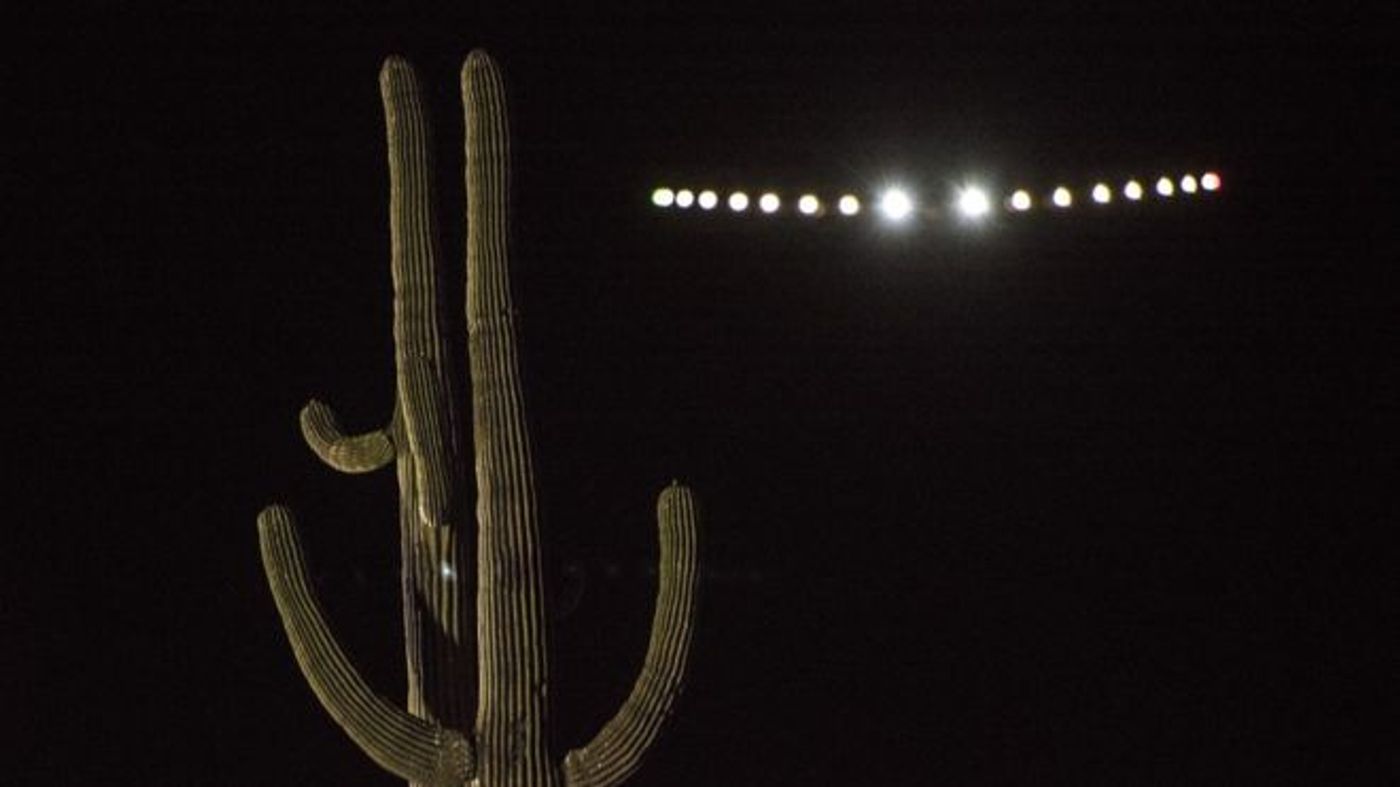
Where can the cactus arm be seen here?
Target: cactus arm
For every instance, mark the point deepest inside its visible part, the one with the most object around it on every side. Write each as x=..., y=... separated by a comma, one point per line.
x=403, y=744
x=426, y=427
x=616, y=752
x=362, y=453
x=512, y=666
x=424, y=393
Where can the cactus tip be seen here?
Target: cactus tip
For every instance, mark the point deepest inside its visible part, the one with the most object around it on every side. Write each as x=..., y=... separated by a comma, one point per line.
x=274, y=514
x=478, y=58
x=393, y=64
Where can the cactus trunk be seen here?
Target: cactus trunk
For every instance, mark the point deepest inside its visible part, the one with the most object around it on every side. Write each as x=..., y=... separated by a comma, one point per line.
x=513, y=673
x=440, y=738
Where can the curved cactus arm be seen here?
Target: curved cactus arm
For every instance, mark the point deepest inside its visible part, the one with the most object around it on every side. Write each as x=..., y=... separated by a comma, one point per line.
x=409, y=747
x=430, y=423
x=617, y=751
x=360, y=453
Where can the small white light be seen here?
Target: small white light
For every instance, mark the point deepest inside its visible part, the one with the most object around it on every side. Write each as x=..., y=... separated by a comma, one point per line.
x=1210, y=181
x=663, y=197
x=1062, y=197
x=809, y=205
x=1102, y=194
x=769, y=203
x=448, y=572
x=848, y=205
x=738, y=202
x=896, y=204
x=1165, y=186
x=708, y=200
x=973, y=203
x=1132, y=190
x=685, y=198
x=1188, y=184
x=1021, y=200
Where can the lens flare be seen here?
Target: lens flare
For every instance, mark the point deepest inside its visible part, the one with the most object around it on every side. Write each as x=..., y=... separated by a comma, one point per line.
x=896, y=204
x=973, y=203
x=1210, y=181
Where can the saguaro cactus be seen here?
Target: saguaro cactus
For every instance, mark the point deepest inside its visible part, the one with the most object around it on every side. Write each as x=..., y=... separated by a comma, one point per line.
x=437, y=740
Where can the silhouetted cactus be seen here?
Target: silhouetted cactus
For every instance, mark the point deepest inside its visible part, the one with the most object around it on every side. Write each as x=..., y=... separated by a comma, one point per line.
x=438, y=739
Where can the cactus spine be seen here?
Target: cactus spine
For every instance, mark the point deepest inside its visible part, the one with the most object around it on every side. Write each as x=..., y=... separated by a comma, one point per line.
x=439, y=739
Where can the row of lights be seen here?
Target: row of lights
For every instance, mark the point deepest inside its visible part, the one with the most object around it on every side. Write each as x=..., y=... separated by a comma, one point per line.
x=897, y=204
x=738, y=201
x=1132, y=190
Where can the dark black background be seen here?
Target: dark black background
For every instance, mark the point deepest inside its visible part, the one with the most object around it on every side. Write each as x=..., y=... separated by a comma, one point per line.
x=1091, y=498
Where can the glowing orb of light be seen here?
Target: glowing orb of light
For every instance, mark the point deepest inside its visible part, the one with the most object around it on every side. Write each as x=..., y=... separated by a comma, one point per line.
x=1021, y=200
x=896, y=204
x=848, y=205
x=1188, y=184
x=1062, y=197
x=1165, y=187
x=663, y=197
x=708, y=200
x=769, y=203
x=1132, y=190
x=808, y=204
x=973, y=203
x=1210, y=181
x=685, y=198
x=738, y=202
x=1102, y=194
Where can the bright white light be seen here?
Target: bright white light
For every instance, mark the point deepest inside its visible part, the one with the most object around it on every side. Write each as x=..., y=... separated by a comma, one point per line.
x=685, y=198
x=447, y=571
x=973, y=203
x=1132, y=190
x=1062, y=197
x=848, y=205
x=663, y=197
x=769, y=202
x=1188, y=184
x=1102, y=194
x=1021, y=200
x=1165, y=186
x=708, y=199
x=896, y=204
x=1210, y=181
x=809, y=205
x=738, y=202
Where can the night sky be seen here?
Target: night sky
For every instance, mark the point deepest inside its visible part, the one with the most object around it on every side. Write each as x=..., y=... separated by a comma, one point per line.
x=1092, y=498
